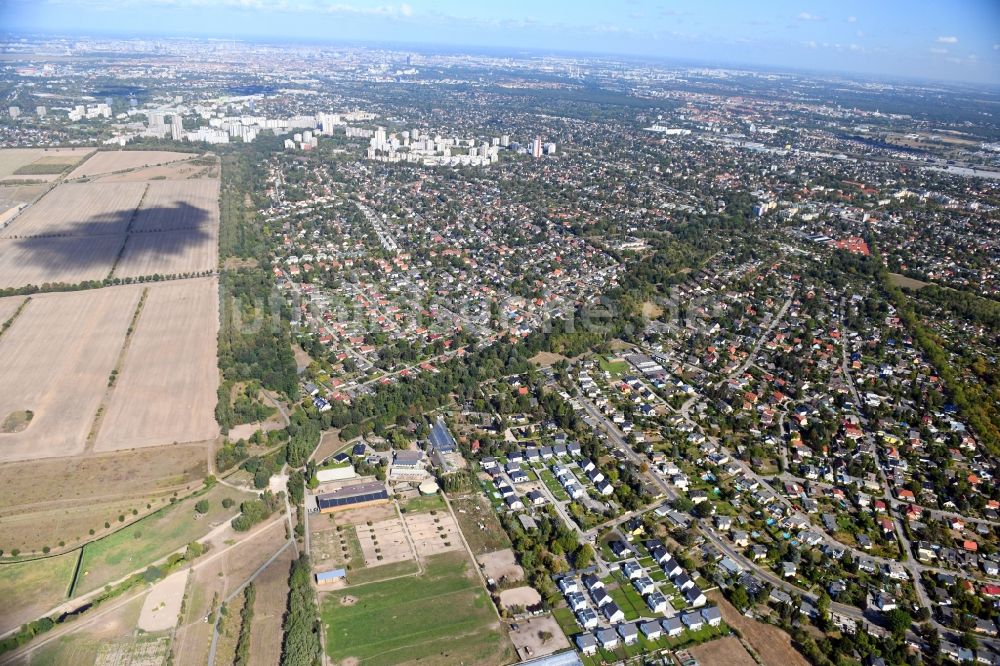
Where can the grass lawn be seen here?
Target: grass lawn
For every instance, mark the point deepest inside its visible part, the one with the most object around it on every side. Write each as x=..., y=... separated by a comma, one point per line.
x=630, y=601
x=31, y=588
x=567, y=621
x=382, y=572
x=145, y=541
x=443, y=616
x=553, y=485
x=424, y=503
x=617, y=368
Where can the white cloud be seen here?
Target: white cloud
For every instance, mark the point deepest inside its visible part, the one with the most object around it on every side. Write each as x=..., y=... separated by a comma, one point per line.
x=947, y=40
x=852, y=19
x=806, y=16
x=938, y=51
x=811, y=44
x=855, y=47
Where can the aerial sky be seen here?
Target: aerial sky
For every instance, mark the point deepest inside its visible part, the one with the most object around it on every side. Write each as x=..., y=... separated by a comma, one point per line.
x=950, y=40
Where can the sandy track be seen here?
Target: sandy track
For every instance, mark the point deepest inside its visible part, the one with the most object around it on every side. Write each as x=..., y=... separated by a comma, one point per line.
x=119, y=160
x=163, y=603
x=58, y=356
x=166, y=391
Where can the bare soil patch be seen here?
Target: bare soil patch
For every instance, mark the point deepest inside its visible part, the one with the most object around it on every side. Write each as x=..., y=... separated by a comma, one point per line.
x=163, y=603
x=771, y=644
x=540, y=636
x=651, y=310
x=547, y=358
x=433, y=533
x=520, y=596
x=727, y=650
x=384, y=542
x=501, y=564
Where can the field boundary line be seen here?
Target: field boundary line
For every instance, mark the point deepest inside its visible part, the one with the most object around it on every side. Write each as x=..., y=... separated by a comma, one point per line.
x=98, y=421
x=128, y=232
x=17, y=313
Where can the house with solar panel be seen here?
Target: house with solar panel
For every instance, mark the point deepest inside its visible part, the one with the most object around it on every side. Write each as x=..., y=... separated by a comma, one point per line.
x=351, y=497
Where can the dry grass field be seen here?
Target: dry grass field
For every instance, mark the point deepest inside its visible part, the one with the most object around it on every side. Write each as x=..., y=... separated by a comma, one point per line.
x=726, y=650
x=172, y=205
x=45, y=501
x=99, y=641
x=269, y=610
x=166, y=391
x=111, y=161
x=31, y=588
x=39, y=261
x=772, y=645
x=79, y=209
x=216, y=580
x=79, y=336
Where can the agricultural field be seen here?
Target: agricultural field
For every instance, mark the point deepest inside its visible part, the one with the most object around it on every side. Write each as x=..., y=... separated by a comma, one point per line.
x=413, y=619
x=38, y=163
x=167, y=388
x=66, y=260
x=176, y=205
x=31, y=588
x=170, y=252
x=43, y=502
x=111, y=161
x=79, y=336
x=79, y=209
x=199, y=167
x=146, y=541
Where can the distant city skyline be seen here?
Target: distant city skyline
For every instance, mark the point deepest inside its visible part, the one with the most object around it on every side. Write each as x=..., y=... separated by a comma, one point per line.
x=957, y=41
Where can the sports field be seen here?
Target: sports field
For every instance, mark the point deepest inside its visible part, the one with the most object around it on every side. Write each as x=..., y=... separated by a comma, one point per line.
x=414, y=619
